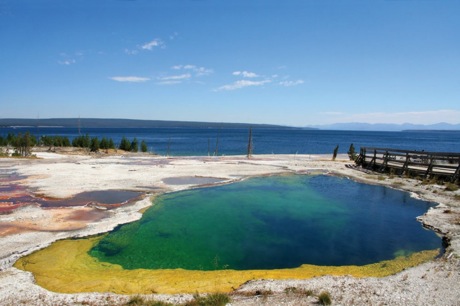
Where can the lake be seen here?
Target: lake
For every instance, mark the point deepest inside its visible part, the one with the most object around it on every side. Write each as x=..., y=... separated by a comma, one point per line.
x=233, y=141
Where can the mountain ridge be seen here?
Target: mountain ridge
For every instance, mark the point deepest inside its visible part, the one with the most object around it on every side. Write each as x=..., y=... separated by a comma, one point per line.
x=388, y=127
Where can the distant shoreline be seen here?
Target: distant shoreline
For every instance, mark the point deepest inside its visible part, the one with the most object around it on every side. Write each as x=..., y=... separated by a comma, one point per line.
x=141, y=123
x=127, y=123
x=422, y=131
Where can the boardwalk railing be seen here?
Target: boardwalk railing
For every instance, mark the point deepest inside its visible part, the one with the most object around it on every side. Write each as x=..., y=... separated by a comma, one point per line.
x=421, y=163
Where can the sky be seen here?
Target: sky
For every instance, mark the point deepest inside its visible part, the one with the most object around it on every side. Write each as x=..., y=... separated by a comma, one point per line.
x=293, y=62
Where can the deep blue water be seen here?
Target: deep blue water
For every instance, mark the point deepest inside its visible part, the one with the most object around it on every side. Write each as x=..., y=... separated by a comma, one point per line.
x=269, y=223
x=201, y=141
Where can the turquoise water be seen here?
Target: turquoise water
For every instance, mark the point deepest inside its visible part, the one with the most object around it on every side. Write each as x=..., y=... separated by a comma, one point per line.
x=272, y=222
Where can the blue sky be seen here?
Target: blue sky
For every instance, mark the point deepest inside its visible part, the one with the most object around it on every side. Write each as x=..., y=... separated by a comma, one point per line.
x=288, y=62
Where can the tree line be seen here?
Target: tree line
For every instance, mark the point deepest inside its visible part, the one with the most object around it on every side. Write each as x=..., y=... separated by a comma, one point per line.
x=22, y=144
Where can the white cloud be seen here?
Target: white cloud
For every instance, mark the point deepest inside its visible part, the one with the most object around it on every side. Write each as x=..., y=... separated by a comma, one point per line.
x=131, y=52
x=245, y=74
x=168, y=82
x=188, y=72
x=69, y=59
x=241, y=84
x=291, y=83
x=130, y=79
x=199, y=71
x=173, y=35
x=153, y=44
x=176, y=77
x=149, y=46
x=67, y=62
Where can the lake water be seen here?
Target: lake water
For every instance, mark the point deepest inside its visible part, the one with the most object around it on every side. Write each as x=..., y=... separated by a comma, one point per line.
x=271, y=222
x=233, y=141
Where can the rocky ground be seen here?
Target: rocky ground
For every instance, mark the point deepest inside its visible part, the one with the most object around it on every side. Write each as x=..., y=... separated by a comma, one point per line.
x=55, y=175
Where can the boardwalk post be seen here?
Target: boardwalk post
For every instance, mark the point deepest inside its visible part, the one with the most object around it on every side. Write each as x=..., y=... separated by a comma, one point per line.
x=406, y=164
x=385, y=161
x=374, y=159
x=430, y=167
x=456, y=175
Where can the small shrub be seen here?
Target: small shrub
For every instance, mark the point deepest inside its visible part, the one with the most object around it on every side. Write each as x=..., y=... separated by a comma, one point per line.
x=140, y=301
x=297, y=291
x=306, y=292
x=451, y=187
x=136, y=301
x=263, y=292
x=426, y=182
x=392, y=173
x=290, y=290
x=397, y=184
x=324, y=298
x=159, y=303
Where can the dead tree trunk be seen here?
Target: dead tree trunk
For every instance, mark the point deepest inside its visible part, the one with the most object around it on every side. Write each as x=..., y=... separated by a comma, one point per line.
x=250, y=143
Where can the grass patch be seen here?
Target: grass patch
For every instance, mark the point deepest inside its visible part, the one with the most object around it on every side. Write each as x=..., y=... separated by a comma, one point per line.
x=138, y=300
x=451, y=187
x=298, y=291
x=214, y=299
x=397, y=184
x=426, y=182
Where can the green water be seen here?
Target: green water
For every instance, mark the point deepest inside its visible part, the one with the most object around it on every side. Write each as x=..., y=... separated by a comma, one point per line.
x=274, y=222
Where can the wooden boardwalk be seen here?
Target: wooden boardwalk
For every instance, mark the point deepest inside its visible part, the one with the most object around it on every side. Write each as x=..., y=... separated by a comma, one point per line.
x=425, y=164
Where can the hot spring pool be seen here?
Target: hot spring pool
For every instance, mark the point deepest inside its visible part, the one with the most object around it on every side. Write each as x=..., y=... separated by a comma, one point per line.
x=271, y=223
